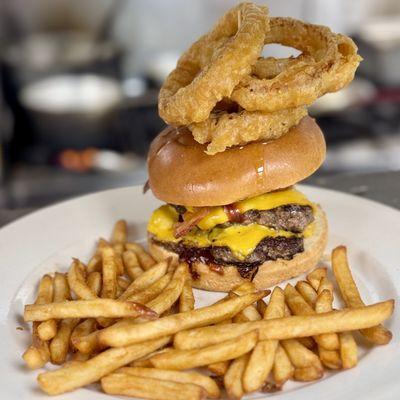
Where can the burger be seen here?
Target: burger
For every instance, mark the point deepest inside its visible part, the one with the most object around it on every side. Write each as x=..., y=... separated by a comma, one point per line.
x=237, y=215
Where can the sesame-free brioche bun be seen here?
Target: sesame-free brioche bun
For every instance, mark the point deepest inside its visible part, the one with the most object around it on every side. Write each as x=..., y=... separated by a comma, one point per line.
x=269, y=274
x=180, y=172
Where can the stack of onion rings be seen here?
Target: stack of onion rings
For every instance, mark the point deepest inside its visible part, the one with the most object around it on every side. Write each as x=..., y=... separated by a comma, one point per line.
x=270, y=94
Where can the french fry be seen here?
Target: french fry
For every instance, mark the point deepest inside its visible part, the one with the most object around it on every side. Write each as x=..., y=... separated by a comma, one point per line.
x=203, y=381
x=94, y=264
x=120, y=232
x=262, y=357
x=325, y=284
x=219, y=368
x=186, y=359
x=299, y=306
x=348, y=350
x=233, y=377
x=131, y=263
x=83, y=328
x=86, y=309
x=122, y=283
x=282, y=369
x=134, y=333
x=314, y=277
x=330, y=358
x=59, y=346
x=351, y=296
x=261, y=306
x=288, y=327
x=145, y=259
x=84, y=373
x=299, y=355
x=149, y=388
x=308, y=374
x=48, y=329
x=152, y=291
x=171, y=293
x=250, y=313
x=186, y=299
x=109, y=289
x=144, y=362
x=79, y=357
x=308, y=292
x=38, y=354
x=77, y=281
x=146, y=279
x=94, y=282
x=244, y=288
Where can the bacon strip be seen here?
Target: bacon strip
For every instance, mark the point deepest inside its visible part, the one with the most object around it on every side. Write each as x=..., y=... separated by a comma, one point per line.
x=233, y=213
x=183, y=228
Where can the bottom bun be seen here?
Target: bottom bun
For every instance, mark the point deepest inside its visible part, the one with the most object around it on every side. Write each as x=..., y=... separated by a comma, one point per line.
x=269, y=274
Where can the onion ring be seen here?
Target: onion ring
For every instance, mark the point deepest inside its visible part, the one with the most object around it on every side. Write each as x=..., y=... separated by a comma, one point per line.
x=224, y=129
x=213, y=65
x=300, y=83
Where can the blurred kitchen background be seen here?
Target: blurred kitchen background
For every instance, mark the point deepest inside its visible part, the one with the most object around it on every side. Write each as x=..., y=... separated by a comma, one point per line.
x=80, y=78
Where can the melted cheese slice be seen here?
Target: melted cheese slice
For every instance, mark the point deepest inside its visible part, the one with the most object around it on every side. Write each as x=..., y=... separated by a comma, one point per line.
x=266, y=201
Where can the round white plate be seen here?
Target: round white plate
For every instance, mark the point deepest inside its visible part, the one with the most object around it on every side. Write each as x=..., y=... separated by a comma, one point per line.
x=46, y=240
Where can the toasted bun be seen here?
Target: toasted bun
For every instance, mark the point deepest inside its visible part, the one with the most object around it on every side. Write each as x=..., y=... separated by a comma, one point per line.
x=180, y=172
x=269, y=274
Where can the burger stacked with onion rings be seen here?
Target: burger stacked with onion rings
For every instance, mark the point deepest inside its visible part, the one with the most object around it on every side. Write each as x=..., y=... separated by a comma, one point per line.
x=239, y=138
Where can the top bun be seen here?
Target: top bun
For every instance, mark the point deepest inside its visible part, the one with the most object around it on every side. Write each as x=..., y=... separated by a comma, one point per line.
x=180, y=172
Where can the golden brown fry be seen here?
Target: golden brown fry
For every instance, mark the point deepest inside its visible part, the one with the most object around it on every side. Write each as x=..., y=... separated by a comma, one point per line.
x=233, y=377
x=94, y=264
x=351, y=296
x=250, y=313
x=131, y=263
x=308, y=292
x=195, y=378
x=288, y=327
x=219, y=368
x=79, y=357
x=262, y=357
x=135, y=386
x=83, y=328
x=330, y=358
x=120, y=232
x=48, y=329
x=299, y=355
x=86, y=309
x=134, y=333
x=122, y=283
x=314, y=277
x=283, y=369
x=172, y=291
x=77, y=281
x=152, y=291
x=186, y=359
x=145, y=259
x=144, y=362
x=146, y=279
x=308, y=374
x=348, y=350
x=261, y=306
x=109, y=289
x=59, y=346
x=299, y=306
x=94, y=282
x=325, y=284
x=81, y=374
x=186, y=299
x=38, y=354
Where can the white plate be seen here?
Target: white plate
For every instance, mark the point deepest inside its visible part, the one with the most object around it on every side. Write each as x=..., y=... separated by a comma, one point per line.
x=46, y=240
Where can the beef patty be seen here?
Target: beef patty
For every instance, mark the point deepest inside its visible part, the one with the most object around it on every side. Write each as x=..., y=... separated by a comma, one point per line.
x=290, y=217
x=270, y=248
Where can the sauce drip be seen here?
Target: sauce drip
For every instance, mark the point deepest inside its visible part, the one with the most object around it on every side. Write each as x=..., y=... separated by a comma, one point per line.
x=233, y=213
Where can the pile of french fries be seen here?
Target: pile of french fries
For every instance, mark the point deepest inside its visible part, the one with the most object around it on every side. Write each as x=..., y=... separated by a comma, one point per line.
x=130, y=323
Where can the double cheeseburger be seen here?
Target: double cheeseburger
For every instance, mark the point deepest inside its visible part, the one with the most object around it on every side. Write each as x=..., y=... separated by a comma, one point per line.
x=236, y=215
